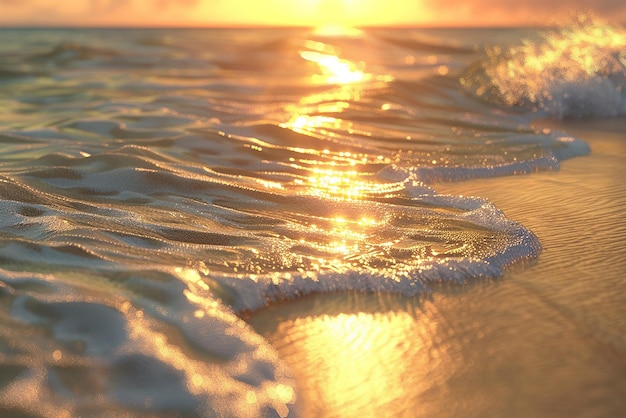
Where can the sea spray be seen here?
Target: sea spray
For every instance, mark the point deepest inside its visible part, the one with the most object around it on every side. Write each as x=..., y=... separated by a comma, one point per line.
x=573, y=70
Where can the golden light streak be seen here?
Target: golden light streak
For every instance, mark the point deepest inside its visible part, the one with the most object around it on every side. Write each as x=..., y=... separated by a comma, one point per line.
x=344, y=356
x=335, y=70
x=333, y=174
x=338, y=184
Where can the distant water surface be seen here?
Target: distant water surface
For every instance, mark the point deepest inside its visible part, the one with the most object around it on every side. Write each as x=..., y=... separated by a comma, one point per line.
x=156, y=183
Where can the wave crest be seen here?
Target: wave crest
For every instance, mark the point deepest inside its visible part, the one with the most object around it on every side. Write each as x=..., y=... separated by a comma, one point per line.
x=574, y=70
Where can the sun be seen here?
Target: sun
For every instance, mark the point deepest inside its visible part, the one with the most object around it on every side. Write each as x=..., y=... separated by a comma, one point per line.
x=309, y=13
x=363, y=13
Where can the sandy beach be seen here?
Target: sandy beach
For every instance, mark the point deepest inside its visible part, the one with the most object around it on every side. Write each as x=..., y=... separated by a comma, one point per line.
x=545, y=340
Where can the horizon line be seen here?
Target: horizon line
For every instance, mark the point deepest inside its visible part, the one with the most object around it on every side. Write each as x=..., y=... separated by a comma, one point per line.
x=270, y=27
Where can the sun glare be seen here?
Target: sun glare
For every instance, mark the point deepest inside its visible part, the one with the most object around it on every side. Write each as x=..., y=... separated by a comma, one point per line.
x=336, y=174
x=343, y=357
x=336, y=70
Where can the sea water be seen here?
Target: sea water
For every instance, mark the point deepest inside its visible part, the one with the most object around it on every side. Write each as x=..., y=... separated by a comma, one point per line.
x=156, y=183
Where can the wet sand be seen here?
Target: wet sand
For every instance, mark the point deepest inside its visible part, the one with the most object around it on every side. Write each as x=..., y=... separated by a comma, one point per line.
x=546, y=340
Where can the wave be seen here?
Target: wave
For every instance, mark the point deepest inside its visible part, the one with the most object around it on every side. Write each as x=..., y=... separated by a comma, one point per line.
x=575, y=70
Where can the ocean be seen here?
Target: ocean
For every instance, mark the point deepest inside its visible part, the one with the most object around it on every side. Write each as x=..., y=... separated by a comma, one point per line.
x=183, y=211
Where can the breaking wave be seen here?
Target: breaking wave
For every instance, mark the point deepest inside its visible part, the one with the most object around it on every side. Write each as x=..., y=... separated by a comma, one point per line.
x=575, y=70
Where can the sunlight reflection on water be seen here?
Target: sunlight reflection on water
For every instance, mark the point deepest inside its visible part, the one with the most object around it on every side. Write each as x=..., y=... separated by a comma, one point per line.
x=344, y=357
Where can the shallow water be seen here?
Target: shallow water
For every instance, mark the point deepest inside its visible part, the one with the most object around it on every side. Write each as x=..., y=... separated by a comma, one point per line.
x=154, y=184
x=543, y=341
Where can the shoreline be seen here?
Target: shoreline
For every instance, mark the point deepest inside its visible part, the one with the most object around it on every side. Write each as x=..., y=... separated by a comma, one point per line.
x=529, y=344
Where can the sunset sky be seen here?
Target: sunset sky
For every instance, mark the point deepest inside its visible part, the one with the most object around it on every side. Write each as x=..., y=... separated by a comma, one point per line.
x=300, y=12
